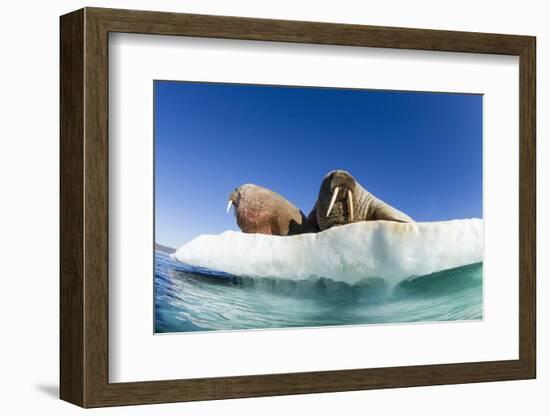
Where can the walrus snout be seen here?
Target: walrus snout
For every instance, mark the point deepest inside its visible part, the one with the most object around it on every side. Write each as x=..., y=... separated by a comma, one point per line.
x=342, y=186
x=340, y=179
x=336, y=199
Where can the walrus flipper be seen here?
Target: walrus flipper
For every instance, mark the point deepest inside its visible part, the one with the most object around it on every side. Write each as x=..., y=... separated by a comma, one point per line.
x=389, y=213
x=312, y=219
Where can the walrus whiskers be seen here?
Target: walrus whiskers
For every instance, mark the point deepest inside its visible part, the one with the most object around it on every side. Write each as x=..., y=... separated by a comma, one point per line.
x=333, y=200
x=350, y=205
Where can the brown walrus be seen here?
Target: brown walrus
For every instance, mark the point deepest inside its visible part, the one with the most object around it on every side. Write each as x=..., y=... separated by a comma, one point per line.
x=342, y=200
x=260, y=210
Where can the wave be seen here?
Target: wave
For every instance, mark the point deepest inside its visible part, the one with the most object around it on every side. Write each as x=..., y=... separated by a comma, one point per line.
x=351, y=253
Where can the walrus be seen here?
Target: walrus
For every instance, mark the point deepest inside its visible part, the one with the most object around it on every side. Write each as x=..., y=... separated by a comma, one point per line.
x=342, y=200
x=260, y=210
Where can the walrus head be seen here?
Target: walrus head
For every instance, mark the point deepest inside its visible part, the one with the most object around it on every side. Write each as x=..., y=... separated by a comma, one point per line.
x=234, y=198
x=335, y=201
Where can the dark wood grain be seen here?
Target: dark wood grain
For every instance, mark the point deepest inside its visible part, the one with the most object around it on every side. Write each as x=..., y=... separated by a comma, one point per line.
x=527, y=208
x=71, y=100
x=162, y=23
x=84, y=207
x=96, y=208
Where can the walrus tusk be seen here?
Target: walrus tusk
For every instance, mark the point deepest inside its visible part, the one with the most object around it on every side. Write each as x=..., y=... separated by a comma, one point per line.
x=333, y=200
x=350, y=205
x=229, y=205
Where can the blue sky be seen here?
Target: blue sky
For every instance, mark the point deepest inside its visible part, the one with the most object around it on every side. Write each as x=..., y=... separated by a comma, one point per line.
x=421, y=152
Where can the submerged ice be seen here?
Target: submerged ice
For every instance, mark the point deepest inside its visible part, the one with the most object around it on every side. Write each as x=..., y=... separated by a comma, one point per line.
x=350, y=253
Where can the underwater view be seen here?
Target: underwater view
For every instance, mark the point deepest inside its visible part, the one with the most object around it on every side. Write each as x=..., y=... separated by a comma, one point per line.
x=194, y=299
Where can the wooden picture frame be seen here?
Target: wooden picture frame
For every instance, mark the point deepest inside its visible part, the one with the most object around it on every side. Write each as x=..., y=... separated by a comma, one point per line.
x=84, y=207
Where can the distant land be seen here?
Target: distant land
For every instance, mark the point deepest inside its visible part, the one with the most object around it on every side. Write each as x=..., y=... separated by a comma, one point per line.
x=165, y=249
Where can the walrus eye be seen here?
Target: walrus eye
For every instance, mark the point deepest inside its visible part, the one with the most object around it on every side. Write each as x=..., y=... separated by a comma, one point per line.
x=333, y=200
x=350, y=205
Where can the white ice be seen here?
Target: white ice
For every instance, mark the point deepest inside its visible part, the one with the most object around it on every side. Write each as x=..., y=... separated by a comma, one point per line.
x=389, y=250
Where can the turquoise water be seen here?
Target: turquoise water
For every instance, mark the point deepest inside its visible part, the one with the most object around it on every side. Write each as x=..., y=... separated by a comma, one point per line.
x=193, y=299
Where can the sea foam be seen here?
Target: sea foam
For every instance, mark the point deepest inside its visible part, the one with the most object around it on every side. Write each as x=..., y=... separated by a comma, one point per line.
x=350, y=253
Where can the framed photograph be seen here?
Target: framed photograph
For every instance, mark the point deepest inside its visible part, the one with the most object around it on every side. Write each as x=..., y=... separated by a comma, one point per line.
x=255, y=207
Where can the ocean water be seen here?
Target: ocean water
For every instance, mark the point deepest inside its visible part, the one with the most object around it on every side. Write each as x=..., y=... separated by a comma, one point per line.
x=189, y=298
